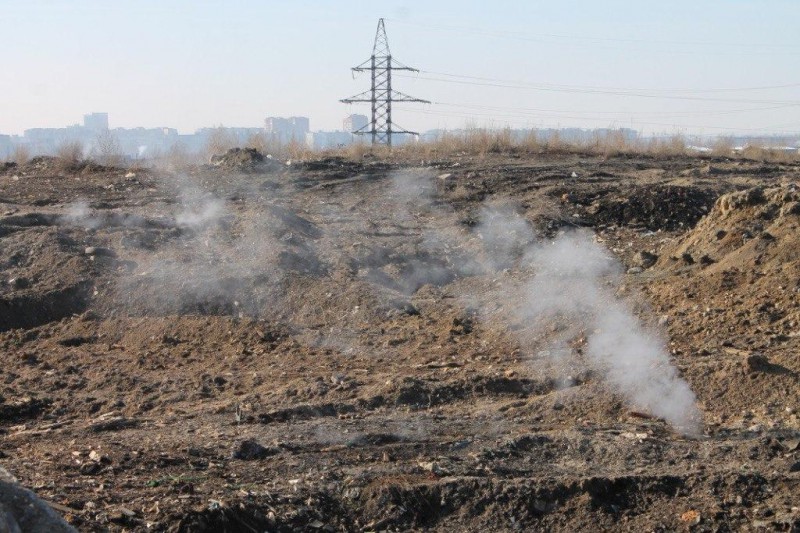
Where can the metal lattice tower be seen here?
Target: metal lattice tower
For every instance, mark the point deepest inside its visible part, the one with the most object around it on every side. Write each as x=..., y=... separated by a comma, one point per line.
x=381, y=95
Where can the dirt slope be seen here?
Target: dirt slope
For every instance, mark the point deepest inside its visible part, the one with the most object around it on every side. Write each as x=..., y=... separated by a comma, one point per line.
x=302, y=348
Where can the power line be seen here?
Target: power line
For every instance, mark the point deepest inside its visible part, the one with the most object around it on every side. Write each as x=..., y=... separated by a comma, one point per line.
x=600, y=87
x=625, y=113
x=506, y=84
x=470, y=115
x=546, y=38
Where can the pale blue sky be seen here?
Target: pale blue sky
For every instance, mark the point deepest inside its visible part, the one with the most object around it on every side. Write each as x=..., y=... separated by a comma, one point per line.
x=654, y=66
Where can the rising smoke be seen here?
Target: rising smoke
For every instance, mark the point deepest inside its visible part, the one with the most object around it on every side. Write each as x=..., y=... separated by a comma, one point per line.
x=573, y=282
x=567, y=284
x=222, y=260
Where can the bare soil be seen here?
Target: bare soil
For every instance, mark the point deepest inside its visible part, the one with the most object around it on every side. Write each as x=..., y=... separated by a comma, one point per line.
x=288, y=348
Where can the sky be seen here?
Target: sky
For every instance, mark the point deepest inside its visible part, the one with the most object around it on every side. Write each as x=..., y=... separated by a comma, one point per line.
x=710, y=67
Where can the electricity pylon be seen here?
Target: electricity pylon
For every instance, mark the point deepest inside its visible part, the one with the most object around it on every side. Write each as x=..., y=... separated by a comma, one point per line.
x=381, y=95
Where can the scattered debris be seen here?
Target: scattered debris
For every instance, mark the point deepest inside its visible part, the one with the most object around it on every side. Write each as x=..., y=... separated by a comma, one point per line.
x=250, y=450
x=245, y=160
x=756, y=362
x=644, y=259
x=691, y=517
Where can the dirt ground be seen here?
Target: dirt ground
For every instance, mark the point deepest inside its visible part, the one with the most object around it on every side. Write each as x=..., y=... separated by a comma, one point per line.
x=320, y=346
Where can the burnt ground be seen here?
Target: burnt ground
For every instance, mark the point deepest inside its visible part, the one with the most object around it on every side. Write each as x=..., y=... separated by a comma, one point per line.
x=301, y=347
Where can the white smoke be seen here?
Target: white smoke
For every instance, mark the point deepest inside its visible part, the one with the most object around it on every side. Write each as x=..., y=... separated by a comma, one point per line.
x=566, y=284
x=80, y=214
x=561, y=289
x=573, y=283
x=199, y=213
x=198, y=207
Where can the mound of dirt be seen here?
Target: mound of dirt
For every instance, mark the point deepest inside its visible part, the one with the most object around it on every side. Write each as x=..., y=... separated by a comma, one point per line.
x=46, y=273
x=325, y=347
x=732, y=290
x=244, y=160
x=755, y=227
x=666, y=207
x=45, y=164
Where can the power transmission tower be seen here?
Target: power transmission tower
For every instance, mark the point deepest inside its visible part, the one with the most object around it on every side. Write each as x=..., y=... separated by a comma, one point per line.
x=381, y=95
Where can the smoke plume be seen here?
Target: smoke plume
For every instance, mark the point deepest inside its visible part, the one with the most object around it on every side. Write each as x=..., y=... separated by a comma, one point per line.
x=573, y=282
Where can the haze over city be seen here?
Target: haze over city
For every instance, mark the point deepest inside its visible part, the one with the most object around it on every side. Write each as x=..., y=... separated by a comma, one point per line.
x=713, y=68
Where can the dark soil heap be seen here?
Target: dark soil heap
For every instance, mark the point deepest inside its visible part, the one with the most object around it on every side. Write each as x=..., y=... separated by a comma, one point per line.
x=244, y=160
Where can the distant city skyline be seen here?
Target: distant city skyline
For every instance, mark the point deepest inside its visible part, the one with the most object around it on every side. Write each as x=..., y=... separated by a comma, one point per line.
x=96, y=137
x=711, y=67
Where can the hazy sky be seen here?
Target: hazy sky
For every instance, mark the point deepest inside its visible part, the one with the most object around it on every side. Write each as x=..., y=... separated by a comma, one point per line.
x=702, y=66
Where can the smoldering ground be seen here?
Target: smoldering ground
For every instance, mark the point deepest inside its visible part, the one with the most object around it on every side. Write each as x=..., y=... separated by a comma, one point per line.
x=210, y=254
x=570, y=281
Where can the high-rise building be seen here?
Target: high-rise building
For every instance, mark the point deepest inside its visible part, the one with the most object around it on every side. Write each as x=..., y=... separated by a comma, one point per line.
x=5, y=146
x=96, y=122
x=299, y=126
x=287, y=129
x=276, y=125
x=355, y=122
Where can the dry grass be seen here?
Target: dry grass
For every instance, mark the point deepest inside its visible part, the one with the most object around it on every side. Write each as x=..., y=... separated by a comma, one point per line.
x=20, y=155
x=219, y=141
x=177, y=158
x=673, y=145
x=69, y=155
x=299, y=150
x=478, y=142
x=358, y=150
x=107, y=150
x=768, y=154
x=266, y=146
x=483, y=142
x=722, y=147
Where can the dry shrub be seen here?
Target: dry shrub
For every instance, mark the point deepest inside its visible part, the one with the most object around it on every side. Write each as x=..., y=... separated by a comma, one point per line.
x=473, y=141
x=177, y=158
x=69, y=155
x=21, y=154
x=107, y=150
x=554, y=144
x=770, y=154
x=666, y=146
x=443, y=143
x=358, y=150
x=611, y=143
x=722, y=147
x=531, y=142
x=220, y=140
x=298, y=150
x=293, y=149
x=481, y=142
x=267, y=146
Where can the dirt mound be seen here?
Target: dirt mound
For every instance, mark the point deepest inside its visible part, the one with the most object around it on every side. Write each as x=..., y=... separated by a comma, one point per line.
x=305, y=349
x=245, y=160
x=666, y=207
x=45, y=272
x=41, y=163
x=731, y=297
x=45, y=164
x=756, y=227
